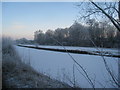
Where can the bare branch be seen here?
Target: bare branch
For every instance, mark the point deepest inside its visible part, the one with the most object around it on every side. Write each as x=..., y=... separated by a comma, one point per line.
x=86, y=74
x=111, y=19
x=106, y=65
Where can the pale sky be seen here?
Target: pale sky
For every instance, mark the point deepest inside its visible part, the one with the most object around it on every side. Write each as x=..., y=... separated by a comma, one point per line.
x=22, y=19
x=0, y=20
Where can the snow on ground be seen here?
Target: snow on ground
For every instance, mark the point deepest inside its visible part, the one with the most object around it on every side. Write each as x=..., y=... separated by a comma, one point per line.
x=113, y=51
x=59, y=66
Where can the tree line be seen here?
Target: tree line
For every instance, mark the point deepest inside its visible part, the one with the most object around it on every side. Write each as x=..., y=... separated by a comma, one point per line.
x=102, y=34
x=89, y=34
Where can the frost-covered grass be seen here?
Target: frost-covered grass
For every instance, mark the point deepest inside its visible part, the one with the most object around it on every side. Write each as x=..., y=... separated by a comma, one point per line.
x=17, y=74
x=59, y=65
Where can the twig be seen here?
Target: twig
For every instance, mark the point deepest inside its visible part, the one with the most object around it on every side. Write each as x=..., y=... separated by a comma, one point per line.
x=87, y=76
x=106, y=65
x=74, y=85
x=111, y=19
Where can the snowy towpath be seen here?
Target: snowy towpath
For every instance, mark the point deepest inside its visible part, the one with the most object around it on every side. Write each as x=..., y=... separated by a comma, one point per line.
x=110, y=52
x=59, y=66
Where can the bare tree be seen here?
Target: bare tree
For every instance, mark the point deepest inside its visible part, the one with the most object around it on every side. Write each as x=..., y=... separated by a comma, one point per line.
x=111, y=10
x=108, y=10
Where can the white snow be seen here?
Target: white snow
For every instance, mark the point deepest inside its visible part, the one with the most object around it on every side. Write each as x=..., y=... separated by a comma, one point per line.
x=59, y=65
x=109, y=51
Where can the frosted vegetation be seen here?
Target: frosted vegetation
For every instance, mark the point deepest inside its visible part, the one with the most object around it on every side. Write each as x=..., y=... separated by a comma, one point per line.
x=93, y=33
x=102, y=34
x=17, y=74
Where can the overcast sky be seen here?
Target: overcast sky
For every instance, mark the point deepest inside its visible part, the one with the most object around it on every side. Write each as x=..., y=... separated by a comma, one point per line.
x=22, y=19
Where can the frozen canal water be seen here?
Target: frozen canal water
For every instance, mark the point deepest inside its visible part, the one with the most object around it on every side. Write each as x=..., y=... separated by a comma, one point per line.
x=60, y=66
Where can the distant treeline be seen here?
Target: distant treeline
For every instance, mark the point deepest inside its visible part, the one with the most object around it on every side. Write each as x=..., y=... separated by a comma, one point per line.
x=101, y=34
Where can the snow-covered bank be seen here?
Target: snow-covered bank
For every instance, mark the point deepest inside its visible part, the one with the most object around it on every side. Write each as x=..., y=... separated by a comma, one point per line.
x=105, y=51
x=60, y=66
x=17, y=74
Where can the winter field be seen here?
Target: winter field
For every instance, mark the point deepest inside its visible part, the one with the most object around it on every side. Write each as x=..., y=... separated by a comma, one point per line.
x=60, y=66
